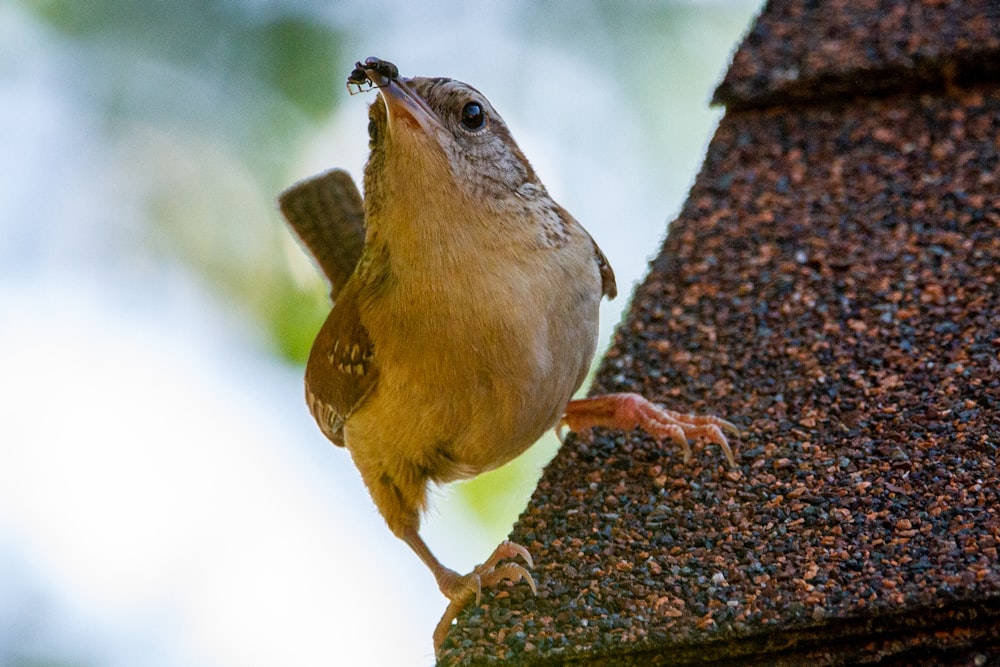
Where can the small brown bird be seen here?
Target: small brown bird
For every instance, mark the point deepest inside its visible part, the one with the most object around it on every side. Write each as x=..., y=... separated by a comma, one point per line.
x=464, y=322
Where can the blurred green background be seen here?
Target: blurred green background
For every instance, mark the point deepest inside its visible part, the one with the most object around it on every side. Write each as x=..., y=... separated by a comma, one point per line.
x=165, y=498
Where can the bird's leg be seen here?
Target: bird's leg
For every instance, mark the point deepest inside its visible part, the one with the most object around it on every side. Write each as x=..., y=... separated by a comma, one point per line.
x=399, y=499
x=628, y=411
x=461, y=589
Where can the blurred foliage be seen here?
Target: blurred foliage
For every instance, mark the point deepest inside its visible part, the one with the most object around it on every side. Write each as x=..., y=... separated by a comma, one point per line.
x=208, y=102
x=297, y=59
x=293, y=55
x=297, y=316
x=498, y=497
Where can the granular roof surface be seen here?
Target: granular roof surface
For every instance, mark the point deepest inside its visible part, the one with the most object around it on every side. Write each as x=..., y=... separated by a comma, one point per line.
x=833, y=287
x=809, y=49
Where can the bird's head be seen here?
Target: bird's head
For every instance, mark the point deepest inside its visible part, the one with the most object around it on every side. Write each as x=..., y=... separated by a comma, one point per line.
x=434, y=138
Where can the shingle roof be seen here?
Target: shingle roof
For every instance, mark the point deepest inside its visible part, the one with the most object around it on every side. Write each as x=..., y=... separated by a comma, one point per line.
x=832, y=285
x=821, y=49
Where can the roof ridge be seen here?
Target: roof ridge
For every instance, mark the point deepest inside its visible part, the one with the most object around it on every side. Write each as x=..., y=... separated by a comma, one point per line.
x=818, y=50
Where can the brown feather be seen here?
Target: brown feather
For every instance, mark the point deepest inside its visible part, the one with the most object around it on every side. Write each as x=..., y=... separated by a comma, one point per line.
x=609, y=286
x=328, y=215
x=341, y=371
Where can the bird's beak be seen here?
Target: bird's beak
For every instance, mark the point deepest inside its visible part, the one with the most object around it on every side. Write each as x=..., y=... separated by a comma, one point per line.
x=403, y=104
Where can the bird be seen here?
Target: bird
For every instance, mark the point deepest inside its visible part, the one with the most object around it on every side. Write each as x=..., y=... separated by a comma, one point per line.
x=465, y=313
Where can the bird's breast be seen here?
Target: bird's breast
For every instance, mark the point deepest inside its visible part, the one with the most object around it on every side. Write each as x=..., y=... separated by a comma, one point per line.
x=478, y=365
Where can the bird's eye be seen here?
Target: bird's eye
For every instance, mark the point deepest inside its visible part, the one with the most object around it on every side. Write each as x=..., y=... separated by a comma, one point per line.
x=372, y=131
x=473, y=116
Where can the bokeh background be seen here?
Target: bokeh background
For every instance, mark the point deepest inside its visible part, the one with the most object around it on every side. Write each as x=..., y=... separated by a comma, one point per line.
x=165, y=498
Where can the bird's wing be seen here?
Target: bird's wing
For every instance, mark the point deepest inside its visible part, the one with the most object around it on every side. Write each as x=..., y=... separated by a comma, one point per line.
x=328, y=214
x=608, y=284
x=609, y=287
x=341, y=371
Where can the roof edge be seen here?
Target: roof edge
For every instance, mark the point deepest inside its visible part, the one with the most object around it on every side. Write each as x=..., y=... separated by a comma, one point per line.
x=920, y=75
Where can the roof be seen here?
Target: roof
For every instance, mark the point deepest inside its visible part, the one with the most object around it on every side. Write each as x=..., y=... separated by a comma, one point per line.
x=825, y=49
x=831, y=285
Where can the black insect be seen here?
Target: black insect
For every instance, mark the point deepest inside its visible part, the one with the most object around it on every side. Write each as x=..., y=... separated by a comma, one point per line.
x=359, y=75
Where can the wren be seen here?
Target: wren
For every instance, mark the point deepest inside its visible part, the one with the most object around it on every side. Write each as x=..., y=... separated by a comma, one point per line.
x=465, y=312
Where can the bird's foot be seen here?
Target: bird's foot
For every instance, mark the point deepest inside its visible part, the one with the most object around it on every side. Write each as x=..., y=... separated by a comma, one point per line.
x=461, y=589
x=628, y=411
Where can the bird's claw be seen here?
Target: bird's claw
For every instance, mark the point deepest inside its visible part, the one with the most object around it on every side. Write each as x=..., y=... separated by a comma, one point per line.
x=628, y=411
x=489, y=574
